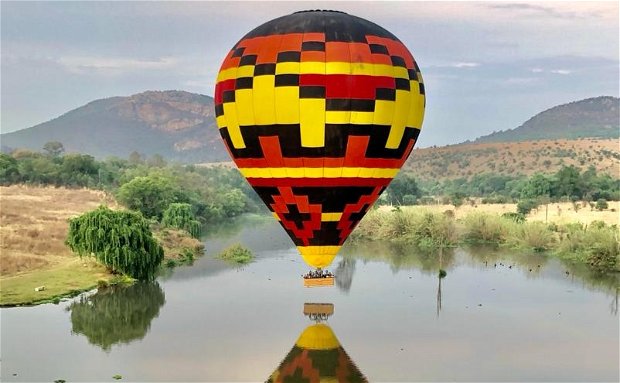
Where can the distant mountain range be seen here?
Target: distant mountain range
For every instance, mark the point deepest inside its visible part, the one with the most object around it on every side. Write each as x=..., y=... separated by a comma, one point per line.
x=175, y=124
x=592, y=117
x=181, y=126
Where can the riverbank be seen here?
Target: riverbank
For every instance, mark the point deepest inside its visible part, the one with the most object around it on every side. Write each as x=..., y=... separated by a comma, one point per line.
x=36, y=266
x=596, y=244
x=558, y=213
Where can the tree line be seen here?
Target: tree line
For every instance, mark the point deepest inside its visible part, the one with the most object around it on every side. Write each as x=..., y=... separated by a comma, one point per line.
x=567, y=184
x=149, y=185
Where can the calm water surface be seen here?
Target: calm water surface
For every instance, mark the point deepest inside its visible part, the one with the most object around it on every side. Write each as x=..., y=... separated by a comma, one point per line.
x=489, y=319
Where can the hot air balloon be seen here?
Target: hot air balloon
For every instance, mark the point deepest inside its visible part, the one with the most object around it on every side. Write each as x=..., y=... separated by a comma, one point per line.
x=319, y=110
x=317, y=356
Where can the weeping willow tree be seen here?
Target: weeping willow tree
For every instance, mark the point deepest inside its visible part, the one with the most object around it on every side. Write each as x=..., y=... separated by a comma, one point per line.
x=121, y=240
x=117, y=314
x=180, y=216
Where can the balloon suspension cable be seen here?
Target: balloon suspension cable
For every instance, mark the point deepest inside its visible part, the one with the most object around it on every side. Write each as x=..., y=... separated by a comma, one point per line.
x=318, y=274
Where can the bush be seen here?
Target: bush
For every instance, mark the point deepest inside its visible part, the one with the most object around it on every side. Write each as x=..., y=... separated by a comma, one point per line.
x=536, y=236
x=516, y=217
x=525, y=206
x=121, y=240
x=601, y=204
x=180, y=216
x=237, y=253
x=596, y=245
x=428, y=230
x=485, y=228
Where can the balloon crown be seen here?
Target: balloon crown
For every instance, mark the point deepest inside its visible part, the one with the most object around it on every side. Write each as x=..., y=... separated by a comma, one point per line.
x=320, y=10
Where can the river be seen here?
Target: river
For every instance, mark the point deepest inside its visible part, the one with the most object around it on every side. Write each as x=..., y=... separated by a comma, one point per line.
x=495, y=316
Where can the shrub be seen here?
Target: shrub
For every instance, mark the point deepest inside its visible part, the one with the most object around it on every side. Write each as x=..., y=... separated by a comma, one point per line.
x=596, y=245
x=516, y=217
x=525, y=206
x=601, y=204
x=121, y=240
x=237, y=253
x=180, y=216
x=535, y=235
x=428, y=229
x=485, y=228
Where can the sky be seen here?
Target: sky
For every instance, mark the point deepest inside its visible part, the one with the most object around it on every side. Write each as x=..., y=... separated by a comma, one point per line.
x=487, y=66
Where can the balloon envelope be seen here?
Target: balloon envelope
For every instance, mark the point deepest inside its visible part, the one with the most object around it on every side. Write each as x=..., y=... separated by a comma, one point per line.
x=319, y=110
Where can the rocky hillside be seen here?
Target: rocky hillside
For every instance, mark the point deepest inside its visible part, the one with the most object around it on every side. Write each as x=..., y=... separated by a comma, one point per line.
x=177, y=125
x=592, y=117
x=514, y=158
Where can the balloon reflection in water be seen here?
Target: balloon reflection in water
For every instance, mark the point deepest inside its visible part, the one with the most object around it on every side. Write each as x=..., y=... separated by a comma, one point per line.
x=317, y=356
x=319, y=110
x=117, y=314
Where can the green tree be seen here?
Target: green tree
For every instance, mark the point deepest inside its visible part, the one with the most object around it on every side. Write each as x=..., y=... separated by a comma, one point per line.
x=79, y=169
x=402, y=185
x=536, y=186
x=121, y=240
x=456, y=198
x=567, y=182
x=54, y=148
x=9, y=170
x=180, y=216
x=149, y=195
x=234, y=202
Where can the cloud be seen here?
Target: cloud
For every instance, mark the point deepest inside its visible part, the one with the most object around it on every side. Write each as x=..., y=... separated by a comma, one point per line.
x=114, y=65
x=536, y=70
x=540, y=10
x=465, y=65
x=561, y=71
x=458, y=64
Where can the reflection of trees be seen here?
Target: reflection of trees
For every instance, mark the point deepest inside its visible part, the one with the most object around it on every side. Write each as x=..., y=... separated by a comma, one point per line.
x=344, y=273
x=490, y=256
x=400, y=255
x=117, y=314
x=403, y=256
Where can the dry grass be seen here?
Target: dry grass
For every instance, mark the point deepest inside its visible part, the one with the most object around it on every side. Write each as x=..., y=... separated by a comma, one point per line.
x=559, y=213
x=33, y=228
x=33, y=224
x=176, y=242
x=526, y=158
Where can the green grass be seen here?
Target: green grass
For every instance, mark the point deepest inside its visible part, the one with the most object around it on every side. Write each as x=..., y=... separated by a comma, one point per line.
x=237, y=253
x=596, y=245
x=66, y=279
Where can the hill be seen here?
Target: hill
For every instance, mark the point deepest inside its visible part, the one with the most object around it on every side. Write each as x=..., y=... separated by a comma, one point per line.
x=181, y=126
x=592, y=117
x=514, y=158
x=175, y=124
